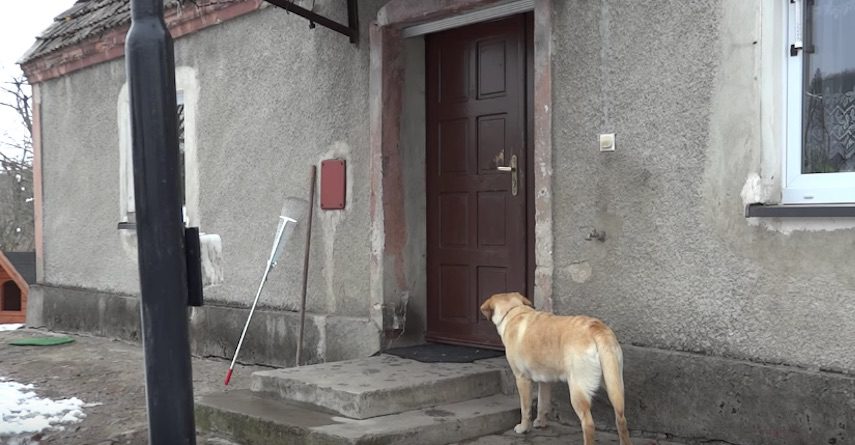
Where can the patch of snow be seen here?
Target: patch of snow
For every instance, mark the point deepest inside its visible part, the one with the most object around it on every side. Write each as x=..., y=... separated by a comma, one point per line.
x=22, y=411
x=10, y=326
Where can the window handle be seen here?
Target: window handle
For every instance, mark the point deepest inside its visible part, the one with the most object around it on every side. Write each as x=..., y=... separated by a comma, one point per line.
x=795, y=48
x=798, y=26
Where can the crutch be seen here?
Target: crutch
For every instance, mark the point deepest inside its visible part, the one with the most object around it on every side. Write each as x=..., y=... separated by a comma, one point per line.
x=285, y=222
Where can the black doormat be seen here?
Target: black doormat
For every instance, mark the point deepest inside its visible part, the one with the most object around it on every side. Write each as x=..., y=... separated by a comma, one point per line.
x=435, y=353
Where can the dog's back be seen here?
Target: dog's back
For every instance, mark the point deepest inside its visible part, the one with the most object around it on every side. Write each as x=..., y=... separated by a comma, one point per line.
x=576, y=349
x=533, y=341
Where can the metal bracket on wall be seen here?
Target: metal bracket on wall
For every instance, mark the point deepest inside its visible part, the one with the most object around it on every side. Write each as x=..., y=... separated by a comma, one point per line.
x=351, y=29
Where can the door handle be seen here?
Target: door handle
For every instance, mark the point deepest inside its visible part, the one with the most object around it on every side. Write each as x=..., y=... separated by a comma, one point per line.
x=512, y=169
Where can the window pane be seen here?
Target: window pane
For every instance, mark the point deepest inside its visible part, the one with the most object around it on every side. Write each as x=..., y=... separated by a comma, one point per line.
x=181, y=149
x=829, y=90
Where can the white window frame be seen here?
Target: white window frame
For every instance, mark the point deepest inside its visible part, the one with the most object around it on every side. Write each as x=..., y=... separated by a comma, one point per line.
x=187, y=91
x=800, y=188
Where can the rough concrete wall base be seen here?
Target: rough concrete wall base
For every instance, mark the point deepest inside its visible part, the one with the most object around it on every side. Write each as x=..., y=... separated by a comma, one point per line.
x=83, y=310
x=214, y=330
x=702, y=397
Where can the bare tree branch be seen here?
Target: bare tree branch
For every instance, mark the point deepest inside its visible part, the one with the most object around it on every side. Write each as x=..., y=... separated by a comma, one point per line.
x=16, y=172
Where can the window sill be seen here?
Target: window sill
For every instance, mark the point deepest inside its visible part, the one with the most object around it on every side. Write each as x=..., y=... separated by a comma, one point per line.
x=799, y=211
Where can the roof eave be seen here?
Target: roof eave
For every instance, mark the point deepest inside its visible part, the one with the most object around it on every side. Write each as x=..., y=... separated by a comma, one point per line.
x=109, y=45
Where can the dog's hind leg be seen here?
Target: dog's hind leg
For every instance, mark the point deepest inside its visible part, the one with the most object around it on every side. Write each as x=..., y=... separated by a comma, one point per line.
x=584, y=376
x=524, y=388
x=581, y=401
x=544, y=402
x=611, y=359
x=616, y=397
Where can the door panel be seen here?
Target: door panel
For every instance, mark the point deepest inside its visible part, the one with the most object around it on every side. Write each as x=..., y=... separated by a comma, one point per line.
x=476, y=227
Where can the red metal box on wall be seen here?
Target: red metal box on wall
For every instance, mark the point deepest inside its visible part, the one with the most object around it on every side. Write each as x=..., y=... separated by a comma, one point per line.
x=332, y=184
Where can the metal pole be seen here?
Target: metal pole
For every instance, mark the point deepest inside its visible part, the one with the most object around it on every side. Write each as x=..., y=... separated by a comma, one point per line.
x=312, y=176
x=163, y=270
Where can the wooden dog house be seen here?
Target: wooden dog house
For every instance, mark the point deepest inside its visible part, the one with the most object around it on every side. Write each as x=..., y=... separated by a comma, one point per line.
x=14, y=286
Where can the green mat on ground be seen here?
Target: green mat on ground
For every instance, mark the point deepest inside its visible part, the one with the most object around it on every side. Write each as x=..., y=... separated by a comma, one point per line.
x=41, y=341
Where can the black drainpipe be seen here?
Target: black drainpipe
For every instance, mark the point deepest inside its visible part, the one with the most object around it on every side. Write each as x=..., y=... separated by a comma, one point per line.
x=163, y=271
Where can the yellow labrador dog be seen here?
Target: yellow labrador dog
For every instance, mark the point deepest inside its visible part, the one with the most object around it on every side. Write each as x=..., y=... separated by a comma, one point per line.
x=546, y=348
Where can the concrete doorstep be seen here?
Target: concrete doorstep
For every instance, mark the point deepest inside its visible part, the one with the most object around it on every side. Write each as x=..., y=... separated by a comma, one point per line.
x=379, y=386
x=252, y=420
x=382, y=399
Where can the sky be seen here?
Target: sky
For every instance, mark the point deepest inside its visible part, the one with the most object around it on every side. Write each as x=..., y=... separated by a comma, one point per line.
x=20, y=22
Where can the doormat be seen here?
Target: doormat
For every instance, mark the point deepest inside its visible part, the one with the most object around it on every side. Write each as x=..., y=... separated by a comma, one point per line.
x=42, y=341
x=434, y=353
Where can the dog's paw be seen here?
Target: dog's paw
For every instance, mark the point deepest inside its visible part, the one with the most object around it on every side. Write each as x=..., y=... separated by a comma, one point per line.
x=540, y=423
x=521, y=428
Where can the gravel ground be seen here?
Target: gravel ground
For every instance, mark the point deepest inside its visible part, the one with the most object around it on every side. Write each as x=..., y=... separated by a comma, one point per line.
x=107, y=373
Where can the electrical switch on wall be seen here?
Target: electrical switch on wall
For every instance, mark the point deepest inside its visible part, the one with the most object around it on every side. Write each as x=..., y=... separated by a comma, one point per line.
x=607, y=142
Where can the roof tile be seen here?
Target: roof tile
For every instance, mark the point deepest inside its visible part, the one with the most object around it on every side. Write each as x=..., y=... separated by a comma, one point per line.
x=89, y=19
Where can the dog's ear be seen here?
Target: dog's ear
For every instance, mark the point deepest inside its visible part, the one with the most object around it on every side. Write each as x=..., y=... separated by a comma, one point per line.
x=525, y=300
x=487, y=309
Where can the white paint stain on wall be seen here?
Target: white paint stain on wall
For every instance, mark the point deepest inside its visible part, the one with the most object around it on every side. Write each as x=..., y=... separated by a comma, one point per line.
x=331, y=219
x=580, y=272
x=753, y=191
x=211, y=246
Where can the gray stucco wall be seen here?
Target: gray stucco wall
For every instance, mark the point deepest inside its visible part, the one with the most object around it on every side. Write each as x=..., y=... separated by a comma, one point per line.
x=80, y=163
x=678, y=82
x=270, y=108
x=274, y=98
x=681, y=268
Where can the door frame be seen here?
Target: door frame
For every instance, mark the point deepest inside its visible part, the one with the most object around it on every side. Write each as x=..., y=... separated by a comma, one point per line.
x=389, y=283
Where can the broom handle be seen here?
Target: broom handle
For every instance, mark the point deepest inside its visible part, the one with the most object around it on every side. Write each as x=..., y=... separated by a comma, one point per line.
x=306, y=264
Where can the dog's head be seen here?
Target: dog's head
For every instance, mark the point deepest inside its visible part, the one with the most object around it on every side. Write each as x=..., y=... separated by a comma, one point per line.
x=500, y=304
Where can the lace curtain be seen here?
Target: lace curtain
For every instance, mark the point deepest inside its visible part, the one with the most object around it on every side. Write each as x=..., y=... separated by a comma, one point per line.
x=828, y=112
x=829, y=136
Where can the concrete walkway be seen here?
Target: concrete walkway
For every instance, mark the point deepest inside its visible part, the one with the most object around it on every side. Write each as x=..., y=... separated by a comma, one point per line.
x=560, y=434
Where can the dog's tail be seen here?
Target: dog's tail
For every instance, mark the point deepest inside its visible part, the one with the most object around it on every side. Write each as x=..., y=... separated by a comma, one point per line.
x=611, y=362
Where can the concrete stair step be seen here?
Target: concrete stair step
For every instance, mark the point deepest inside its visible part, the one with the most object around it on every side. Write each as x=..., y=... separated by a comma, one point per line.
x=250, y=419
x=380, y=385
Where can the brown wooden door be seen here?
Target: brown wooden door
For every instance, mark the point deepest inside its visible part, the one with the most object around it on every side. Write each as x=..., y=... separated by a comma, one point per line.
x=476, y=225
